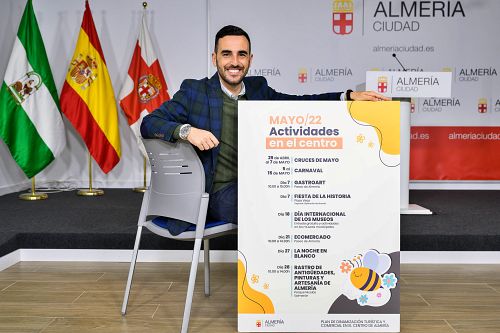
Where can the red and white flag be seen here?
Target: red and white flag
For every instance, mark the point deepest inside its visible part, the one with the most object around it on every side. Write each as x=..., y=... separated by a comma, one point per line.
x=145, y=88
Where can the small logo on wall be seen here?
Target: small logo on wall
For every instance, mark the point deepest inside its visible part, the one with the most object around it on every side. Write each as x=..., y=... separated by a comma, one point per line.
x=482, y=105
x=475, y=74
x=343, y=17
x=440, y=104
x=382, y=84
x=267, y=72
x=412, y=106
x=258, y=323
x=302, y=75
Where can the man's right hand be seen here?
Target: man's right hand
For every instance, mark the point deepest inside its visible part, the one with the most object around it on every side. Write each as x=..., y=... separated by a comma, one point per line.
x=202, y=139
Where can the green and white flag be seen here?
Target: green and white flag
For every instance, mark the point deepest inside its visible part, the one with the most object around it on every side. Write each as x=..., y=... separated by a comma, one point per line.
x=30, y=120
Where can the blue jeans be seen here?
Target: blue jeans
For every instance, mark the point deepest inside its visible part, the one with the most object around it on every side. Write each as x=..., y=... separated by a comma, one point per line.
x=222, y=206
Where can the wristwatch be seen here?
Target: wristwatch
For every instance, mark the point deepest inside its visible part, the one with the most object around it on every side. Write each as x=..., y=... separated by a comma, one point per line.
x=184, y=131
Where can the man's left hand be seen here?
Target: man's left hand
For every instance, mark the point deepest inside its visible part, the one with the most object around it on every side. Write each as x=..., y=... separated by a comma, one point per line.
x=368, y=96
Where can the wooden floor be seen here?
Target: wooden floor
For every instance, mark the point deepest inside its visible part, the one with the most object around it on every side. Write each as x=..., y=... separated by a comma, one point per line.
x=86, y=297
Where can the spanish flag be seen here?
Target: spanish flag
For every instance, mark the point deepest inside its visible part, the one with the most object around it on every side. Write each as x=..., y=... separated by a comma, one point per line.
x=87, y=97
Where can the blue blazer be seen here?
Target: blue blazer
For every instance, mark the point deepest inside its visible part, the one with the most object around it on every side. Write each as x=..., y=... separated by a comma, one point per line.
x=199, y=103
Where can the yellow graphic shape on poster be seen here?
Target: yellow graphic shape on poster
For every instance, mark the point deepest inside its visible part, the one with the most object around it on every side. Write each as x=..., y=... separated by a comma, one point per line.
x=382, y=115
x=250, y=300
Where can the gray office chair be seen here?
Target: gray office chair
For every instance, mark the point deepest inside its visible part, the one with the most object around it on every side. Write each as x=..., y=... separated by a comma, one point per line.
x=177, y=191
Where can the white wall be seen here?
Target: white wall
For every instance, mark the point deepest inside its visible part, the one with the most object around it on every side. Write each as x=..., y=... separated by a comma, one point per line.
x=286, y=35
x=178, y=28
x=11, y=176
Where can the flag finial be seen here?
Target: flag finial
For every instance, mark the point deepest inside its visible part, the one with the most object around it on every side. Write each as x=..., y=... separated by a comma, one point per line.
x=145, y=4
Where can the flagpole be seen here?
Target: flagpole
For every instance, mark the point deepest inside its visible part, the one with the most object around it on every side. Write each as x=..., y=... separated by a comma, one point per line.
x=33, y=195
x=146, y=74
x=90, y=192
x=143, y=188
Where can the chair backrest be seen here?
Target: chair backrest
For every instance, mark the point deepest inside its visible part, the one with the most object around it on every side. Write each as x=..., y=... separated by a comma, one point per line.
x=177, y=180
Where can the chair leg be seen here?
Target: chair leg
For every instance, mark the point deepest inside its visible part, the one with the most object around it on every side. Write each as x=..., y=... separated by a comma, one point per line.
x=192, y=280
x=206, y=253
x=131, y=271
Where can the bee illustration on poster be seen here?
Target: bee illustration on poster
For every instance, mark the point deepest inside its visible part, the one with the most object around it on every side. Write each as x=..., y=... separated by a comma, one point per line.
x=367, y=278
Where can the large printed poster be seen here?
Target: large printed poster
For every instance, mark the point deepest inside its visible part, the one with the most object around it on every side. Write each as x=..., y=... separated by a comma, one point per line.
x=318, y=200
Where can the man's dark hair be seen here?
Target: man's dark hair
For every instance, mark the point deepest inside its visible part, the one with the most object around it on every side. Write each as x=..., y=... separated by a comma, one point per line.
x=231, y=30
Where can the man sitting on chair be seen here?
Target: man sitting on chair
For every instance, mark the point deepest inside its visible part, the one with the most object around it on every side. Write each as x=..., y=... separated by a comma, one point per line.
x=205, y=113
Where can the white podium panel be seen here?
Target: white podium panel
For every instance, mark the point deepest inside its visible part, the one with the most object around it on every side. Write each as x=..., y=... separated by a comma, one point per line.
x=406, y=207
x=318, y=210
x=405, y=85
